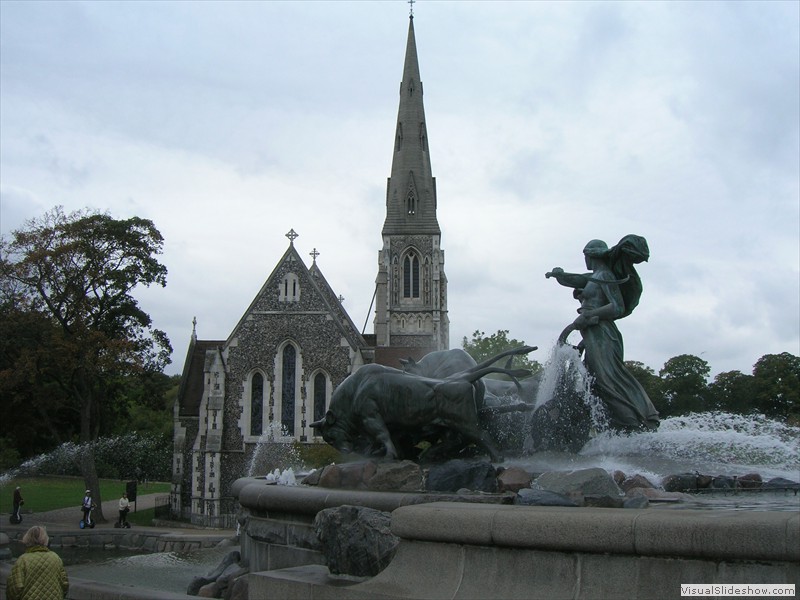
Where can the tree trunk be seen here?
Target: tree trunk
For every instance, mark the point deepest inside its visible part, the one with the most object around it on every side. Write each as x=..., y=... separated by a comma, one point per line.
x=90, y=480
x=88, y=468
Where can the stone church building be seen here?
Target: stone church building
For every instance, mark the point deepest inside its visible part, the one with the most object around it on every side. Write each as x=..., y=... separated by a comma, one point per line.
x=276, y=371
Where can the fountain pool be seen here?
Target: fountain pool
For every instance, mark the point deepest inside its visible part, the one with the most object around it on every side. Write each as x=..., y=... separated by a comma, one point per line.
x=165, y=571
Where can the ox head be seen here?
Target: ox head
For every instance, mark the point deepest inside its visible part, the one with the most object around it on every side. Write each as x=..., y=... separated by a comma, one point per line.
x=334, y=432
x=410, y=365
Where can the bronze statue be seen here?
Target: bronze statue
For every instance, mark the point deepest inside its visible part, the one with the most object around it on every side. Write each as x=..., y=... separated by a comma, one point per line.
x=610, y=291
x=381, y=410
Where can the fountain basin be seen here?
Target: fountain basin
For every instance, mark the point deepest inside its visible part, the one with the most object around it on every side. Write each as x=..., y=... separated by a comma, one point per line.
x=278, y=531
x=496, y=550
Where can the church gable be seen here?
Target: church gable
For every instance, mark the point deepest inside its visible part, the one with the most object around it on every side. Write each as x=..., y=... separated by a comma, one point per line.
x=290, y=349
x=289, y=288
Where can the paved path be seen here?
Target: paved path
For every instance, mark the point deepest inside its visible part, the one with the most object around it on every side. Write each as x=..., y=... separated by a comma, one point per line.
x=68, y=518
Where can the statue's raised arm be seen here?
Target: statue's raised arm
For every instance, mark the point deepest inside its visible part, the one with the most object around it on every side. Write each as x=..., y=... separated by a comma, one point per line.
x=572, y=280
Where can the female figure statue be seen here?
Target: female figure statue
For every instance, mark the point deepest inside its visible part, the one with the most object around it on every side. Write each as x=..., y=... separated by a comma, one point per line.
x=610, y=291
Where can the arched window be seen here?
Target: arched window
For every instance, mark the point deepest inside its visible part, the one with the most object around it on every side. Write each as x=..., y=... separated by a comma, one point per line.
x=320, y=395
x=411, y=204
x=287, y=389
x=411, y=276
x=256, y=404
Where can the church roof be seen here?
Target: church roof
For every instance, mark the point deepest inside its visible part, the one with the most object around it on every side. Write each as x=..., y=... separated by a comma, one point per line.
x=336, y=304
x=317, y=283
x=191, y=390
x=411, y=189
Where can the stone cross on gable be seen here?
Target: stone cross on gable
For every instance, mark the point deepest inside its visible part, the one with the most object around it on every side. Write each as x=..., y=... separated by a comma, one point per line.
x=314, y=254
x=411, y=8
x=292, y=235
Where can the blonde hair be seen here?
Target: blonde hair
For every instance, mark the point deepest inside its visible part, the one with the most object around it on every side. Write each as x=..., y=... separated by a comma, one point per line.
x=36, y=536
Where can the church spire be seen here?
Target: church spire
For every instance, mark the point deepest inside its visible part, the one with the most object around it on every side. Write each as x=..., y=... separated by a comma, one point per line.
x=411, y=287
x=411, y=189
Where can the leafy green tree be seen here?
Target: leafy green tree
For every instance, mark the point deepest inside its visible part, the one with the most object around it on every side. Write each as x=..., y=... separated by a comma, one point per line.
x=35, y=414
x=732, y=391
x=79, y=271
x=684, y=379
x=776, y=383
x=481, y=347
x=650, y=381
x=149, y=402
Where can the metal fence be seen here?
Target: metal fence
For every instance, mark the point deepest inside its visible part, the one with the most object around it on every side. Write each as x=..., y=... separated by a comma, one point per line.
x=163, y=507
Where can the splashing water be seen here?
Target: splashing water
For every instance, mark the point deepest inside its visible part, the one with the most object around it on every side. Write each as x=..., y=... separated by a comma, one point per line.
x=123, y=456
x=285, y=477
x=712, y=443
x=272, y=453
x=565, y=374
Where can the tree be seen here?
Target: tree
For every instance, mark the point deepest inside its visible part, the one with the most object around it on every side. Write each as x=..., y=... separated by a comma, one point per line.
x=685, y=389
x=776, y=383
x=35, y=414
x=481, y=348
x=732, y=391
x=77, y=272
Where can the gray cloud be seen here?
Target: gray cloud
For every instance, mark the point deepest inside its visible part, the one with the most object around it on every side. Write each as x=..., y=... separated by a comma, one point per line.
x=549, y=124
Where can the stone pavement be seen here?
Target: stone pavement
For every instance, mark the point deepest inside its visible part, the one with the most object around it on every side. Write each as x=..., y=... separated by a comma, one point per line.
x=69, y=518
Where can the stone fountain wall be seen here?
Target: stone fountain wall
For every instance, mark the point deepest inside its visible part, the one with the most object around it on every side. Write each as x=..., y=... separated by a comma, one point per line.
x=479, y=550
x=278, y=531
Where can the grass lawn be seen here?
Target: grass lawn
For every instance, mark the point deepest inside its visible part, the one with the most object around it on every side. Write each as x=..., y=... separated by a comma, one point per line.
x=50, y=493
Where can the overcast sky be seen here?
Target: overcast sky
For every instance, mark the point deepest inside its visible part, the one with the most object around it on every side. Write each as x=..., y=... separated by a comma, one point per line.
x=549, y=123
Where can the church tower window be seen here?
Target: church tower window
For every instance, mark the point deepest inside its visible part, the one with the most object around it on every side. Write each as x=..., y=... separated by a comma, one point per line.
x=256, y=404
x=320, y=396
x=411, y=276
x=288, y=389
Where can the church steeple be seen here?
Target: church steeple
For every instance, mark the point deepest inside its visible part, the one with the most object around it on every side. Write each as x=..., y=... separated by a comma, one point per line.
x=411, y=287
x=411, y=189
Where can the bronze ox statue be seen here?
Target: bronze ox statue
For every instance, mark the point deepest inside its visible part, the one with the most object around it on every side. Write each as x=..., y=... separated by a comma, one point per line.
x=381, y=409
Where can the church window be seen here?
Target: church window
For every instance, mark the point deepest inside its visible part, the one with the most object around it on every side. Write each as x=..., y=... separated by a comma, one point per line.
x=288, y=389
x=256, y=404
x=411, y=276
x=399, y=140
x=289, y=289
x=411, y=204
x=320, y=396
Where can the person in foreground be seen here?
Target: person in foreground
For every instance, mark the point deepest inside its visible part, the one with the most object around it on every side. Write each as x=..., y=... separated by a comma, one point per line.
x=38, y=574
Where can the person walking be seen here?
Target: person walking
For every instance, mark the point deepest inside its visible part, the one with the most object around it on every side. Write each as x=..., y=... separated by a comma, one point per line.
x=38, y=574
x=124, y=509
x=16, y=516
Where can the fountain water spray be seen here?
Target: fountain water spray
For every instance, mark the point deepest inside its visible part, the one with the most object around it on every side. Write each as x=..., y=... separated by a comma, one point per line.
x=123, y=456
x=271, y=453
